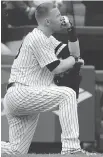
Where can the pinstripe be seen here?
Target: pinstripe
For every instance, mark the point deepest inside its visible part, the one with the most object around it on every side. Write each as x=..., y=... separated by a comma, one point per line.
x=65, y=101
x=25, y=137
x=28, y=134
x=73, y=143
x=35, y=92
x=25, y=144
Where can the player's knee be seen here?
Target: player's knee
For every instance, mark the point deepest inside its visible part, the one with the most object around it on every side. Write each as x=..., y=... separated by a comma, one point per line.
x=69, y=93
x=73, y=92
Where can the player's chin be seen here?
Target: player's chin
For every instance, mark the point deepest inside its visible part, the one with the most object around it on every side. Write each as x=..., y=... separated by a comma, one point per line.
x=58, y=29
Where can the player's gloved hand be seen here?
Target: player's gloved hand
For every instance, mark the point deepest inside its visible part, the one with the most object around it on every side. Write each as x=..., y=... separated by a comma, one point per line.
x=65, y=22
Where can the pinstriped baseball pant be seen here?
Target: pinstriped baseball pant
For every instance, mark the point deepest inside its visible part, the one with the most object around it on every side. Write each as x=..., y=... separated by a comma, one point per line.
x=23, y=107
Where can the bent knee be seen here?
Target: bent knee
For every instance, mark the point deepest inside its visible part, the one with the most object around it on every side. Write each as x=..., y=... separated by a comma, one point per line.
x=68, y=92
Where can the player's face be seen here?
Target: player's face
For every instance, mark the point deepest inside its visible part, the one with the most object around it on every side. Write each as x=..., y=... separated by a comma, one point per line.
x=55, y=19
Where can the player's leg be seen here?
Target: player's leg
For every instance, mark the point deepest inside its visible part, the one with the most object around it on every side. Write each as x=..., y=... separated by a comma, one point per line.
x=25, y=100
x=66, y=99
x=69, y=123
x=21, y=131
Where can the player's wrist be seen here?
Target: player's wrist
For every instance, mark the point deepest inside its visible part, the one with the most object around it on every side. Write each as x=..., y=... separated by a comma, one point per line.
x=75, y=58
x=72, y=36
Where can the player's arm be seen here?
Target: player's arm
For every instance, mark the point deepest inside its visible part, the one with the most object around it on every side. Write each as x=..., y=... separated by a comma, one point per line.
x=65, y=61
x=61, y=66
x=73, y=42
x=61, y=49
x=45, y=55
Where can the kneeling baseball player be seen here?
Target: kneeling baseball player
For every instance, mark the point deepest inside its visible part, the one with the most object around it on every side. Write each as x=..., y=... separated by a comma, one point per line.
x=32, y=89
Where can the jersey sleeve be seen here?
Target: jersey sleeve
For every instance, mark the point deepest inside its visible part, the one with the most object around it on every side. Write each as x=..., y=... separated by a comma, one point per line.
x=54, y=42
x=58, y=45
x=43, y=52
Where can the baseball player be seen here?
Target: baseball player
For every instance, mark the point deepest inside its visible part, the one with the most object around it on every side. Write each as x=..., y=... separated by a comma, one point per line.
x=31, y=88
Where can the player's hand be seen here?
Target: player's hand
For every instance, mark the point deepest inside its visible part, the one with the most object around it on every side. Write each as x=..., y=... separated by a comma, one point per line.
x=65, y=22
x=81, y=61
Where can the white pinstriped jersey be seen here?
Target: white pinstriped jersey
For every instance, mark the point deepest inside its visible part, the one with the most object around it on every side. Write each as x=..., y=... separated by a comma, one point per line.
x=36, y=52
x=25, y=103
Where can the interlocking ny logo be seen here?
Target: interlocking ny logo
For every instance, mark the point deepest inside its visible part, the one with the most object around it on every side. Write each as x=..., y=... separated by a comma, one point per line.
x=83, y=95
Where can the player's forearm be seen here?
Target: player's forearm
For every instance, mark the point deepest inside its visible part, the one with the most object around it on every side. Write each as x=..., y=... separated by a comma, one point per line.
x=73, y=42
x=64, y=65
x=74, y=48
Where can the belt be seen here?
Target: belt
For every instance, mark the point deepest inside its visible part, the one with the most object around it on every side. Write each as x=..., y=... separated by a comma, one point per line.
x=10, y=85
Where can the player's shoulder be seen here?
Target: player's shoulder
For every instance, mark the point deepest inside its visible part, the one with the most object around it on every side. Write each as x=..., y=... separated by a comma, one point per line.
x=54, y=40
x=37, y=36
